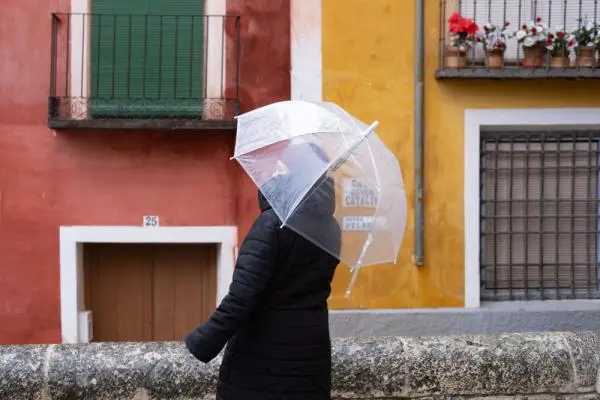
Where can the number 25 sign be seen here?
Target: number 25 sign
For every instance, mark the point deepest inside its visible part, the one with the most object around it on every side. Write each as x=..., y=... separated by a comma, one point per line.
x=151, y=221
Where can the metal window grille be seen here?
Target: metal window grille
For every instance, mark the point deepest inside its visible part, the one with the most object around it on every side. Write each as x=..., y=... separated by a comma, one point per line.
x=539, y=215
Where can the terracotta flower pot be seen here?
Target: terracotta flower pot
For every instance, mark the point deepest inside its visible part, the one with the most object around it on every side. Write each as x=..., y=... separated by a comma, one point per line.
x=533, y=57
x=494, y=59
x=560, y=61
x=585, y=56
x=455, y=58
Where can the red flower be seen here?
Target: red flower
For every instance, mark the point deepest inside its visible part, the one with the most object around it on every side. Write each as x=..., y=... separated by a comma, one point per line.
x=538, y=19
x=560, y=34
x=533, y=30
x=549, y=42
x=454, y=18
x=471, y=27
x=570, y=43
x=551, y=36
x=524, y=26
x=460, y=25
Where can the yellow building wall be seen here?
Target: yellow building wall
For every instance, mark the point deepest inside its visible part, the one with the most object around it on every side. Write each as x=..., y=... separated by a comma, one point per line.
x=368, y=68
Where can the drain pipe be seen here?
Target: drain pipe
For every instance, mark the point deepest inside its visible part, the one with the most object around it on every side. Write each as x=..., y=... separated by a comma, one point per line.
x=419, y=103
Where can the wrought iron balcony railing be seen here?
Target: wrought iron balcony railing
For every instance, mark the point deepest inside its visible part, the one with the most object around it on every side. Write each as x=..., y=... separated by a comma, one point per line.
x=144, y=71
x=521, y=39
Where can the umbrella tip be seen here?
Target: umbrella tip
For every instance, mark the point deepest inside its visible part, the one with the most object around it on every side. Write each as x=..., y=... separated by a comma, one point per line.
x=371, y=128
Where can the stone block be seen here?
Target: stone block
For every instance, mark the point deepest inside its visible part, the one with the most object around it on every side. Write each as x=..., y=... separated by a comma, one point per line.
x=22, y=371
x=107, y=371
x=488, y=365
x=368, y=368
x=584, y=348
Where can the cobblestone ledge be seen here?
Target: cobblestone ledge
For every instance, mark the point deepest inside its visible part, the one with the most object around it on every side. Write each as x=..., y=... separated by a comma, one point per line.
x=514, y=366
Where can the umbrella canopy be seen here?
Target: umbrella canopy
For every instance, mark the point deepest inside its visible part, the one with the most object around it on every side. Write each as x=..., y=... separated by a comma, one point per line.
x=313, y=161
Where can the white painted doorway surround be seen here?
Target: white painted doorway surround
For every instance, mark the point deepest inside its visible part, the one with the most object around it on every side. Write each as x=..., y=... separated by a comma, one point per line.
x=72, y=239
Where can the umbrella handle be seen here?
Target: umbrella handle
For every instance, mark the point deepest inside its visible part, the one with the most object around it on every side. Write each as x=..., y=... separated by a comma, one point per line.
x=355, y=272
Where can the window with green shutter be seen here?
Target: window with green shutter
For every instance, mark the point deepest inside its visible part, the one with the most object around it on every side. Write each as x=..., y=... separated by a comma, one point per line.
x=147, y=58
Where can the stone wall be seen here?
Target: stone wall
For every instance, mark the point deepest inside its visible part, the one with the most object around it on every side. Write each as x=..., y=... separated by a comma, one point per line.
x=512, y=366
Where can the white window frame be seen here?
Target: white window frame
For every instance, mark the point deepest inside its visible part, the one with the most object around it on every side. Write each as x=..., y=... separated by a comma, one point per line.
x=214, y=48
x=73, y=238
x=478, y=120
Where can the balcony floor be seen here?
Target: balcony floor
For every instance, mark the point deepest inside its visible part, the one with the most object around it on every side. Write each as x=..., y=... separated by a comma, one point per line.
x=130, y=114
x=135, y=124
x=517, y=73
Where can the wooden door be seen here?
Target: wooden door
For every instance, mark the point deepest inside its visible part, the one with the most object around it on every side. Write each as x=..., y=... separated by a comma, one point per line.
x=148, y=292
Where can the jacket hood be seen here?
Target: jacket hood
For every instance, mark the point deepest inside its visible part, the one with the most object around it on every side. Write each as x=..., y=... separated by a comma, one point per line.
x=320, y=203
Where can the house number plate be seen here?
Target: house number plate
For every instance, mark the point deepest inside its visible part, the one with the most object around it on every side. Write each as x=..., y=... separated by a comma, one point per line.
x=151, y=221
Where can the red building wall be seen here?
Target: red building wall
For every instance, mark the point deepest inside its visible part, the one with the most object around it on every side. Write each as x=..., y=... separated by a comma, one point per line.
x=264, y=73
x=48, y=179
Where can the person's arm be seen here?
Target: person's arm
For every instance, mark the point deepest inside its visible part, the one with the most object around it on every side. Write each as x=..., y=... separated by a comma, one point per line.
x=253, y=270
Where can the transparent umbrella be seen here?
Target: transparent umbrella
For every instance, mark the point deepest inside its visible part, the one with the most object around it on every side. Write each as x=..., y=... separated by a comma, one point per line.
x=314, y=163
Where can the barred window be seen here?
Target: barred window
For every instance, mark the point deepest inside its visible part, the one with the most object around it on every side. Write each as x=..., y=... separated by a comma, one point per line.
x=539, y=215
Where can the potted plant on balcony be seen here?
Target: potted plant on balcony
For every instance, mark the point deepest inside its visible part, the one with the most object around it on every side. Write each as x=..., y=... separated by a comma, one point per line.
x=585, y=36
x=532, y=37
x=463, y=33
x=597, y=40
x=559, y=45
x=494, y=44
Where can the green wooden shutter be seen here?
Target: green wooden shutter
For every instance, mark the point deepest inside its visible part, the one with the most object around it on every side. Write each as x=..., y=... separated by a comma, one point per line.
x=147, y=58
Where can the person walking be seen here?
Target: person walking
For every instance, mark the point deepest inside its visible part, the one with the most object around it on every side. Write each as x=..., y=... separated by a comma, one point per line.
x=274, y=321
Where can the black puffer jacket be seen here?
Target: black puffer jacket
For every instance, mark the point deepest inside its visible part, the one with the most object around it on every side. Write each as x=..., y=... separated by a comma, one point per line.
x=275, y=317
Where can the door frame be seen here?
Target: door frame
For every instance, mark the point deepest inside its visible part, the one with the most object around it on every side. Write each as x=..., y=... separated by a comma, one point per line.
x=72, y=239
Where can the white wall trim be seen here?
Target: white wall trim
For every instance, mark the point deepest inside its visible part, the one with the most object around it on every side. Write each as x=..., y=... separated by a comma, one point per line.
x=214, y=48
x=80, y=45
x=72, y=239
x=477, y=120
x=306, y=50
x=216, y=63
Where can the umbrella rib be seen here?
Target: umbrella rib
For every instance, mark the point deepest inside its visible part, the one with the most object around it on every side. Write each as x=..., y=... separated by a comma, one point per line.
x=357, y=267
x=359, y=166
